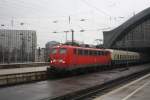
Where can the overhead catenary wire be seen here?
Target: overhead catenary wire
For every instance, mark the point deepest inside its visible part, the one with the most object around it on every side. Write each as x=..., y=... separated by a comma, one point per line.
x=95, y=8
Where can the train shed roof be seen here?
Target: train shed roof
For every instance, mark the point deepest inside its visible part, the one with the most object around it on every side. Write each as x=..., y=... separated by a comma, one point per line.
x=111, y=36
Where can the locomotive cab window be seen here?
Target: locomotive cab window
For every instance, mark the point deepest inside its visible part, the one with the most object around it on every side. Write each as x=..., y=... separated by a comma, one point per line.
x=63, y=51
x=54, y=51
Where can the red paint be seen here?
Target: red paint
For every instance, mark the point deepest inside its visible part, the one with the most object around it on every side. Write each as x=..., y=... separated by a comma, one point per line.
x=72, y=60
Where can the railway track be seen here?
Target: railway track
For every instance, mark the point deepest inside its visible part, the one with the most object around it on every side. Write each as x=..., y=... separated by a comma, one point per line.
x=98, y=90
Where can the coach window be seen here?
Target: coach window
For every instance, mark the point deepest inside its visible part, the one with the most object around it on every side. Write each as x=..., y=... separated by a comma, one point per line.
x=118, y=57
x=129, y=57
x=62, y=50
x=115, y=56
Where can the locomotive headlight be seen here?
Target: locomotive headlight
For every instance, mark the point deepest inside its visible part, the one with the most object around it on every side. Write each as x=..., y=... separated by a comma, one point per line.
x=61, y=61
x=53, y=60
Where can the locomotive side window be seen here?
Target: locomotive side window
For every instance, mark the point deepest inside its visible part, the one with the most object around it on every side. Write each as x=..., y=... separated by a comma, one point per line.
x=75, y=51
x=85, y=52
x=90, y=52
x=99, y=53
x=54, y=51
x=80, y=52
x=63, y=51
x=102, y=53
x=95, y=53
x=107, y=52
x=118, y=57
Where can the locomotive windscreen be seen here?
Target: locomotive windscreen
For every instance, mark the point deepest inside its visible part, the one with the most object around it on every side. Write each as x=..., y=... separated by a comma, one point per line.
x=62, y=50
x=53, y=51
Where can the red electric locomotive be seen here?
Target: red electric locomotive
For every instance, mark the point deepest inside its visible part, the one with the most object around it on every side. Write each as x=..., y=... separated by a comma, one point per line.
x=66, y=57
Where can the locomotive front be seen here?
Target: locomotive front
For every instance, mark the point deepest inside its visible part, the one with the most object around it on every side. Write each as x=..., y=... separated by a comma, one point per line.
x=58, y=58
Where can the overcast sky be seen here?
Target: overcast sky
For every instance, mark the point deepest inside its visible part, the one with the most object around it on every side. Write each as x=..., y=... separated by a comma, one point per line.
x=47, y=16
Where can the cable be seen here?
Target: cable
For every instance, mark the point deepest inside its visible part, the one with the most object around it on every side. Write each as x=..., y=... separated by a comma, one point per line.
x=93, y=7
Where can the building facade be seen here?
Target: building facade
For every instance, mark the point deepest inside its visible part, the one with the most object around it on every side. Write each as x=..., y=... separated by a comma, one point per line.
x=17, y=46
x=40, y=55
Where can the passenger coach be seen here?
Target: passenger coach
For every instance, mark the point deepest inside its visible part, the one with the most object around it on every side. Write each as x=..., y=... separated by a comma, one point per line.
x=120, y=57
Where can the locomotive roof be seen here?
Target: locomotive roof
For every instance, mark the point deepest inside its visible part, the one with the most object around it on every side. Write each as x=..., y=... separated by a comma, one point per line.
x=70, y=46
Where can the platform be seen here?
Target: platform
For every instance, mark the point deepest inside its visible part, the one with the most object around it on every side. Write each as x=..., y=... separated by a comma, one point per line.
x=136, y=90
x=22, y=75
x=22, y=70
x=23, y=65
x=49, y=89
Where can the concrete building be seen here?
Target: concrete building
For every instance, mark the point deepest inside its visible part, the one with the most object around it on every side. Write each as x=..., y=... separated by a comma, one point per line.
x=17, y=46
x=40, y=55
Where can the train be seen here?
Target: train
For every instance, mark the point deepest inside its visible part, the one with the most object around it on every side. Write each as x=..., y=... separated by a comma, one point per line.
x=68, y=58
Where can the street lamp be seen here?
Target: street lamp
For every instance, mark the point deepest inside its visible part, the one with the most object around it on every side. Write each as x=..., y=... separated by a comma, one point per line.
x=82, y=30
x=55, y=32
x=83, y=19
x=55, y=21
